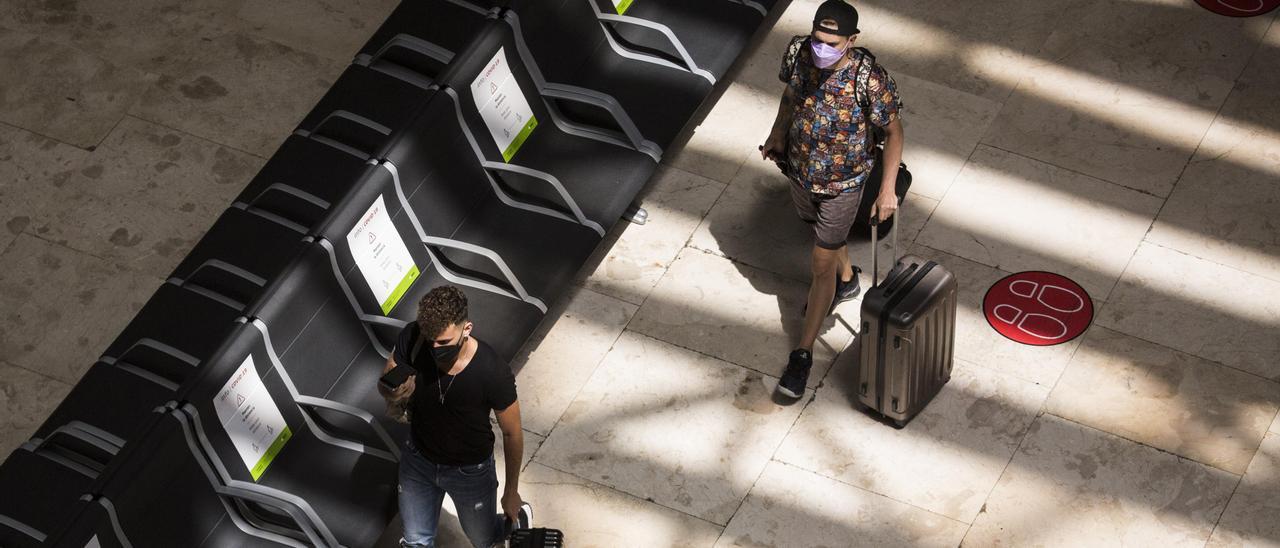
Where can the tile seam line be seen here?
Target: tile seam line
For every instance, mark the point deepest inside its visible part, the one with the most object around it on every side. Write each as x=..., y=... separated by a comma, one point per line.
x=703, y=354
x=1217, y=114
x=773, y=456
x=1149, y=446
x=594, y=369
x=721, y=255
x=1207, y=260
x=49, y=137
x=865, y=490
x=130, y=114
x=111, y=131
x=666, y=269
x=602, y=486
x=1102, y=303
x=1095, y=177
x=1267, y=380
x=1240, y=481
x=928, y=218
x=43, y=374
x=1026, y=433
x=1006, y=376
x=108, y=260
x=1266, y=432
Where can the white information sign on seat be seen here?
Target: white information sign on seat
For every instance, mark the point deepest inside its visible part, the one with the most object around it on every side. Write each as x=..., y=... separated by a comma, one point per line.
x=381, y=256
x=251, y=419
x=503, y=106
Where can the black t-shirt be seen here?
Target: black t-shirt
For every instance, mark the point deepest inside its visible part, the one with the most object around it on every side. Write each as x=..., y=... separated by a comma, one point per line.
x=456, y=432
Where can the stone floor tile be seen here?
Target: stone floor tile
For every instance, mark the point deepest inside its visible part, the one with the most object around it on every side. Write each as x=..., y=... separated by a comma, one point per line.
x=62, y=92
x=594, y=516
x=1247, y=130
x=34, y=172
x=1172, y=30
x=334, y=29
x=145, y=35
x=942, y=127
x=61, y=308
x=755, y=222
x=1223, y=207
x=940, y=40
x=977, y=342
x=532, y=442
x=618, y=432
x=1070, y=485
x=725, y=138
x=1016, y=214
x=240, y=90
x=1275, y=425
x=1166, y=399
x=1094, y=111
x=1250, y=519
x=560, y=357
x=1224, y=212
x=628, y=267
x=736, y=313
x=1199, y=307
x=793, y=507
x=946, y=460
x=26, y=399
x=147, y=195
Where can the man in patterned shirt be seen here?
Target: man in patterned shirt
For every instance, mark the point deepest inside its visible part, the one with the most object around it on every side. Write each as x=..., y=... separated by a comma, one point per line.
x=823, y=137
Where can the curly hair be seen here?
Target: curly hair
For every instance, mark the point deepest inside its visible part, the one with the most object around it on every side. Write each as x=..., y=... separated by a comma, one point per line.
x=439, y=308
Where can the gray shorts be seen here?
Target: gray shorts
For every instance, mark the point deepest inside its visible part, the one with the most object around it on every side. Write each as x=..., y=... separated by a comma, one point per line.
x=831, y=215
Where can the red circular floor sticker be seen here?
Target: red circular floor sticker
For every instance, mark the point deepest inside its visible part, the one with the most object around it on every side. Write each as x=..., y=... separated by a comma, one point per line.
x=1239, y=8
x=1038, y=308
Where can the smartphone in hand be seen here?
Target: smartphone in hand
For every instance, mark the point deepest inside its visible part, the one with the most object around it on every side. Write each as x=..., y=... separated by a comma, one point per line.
x=396, y=377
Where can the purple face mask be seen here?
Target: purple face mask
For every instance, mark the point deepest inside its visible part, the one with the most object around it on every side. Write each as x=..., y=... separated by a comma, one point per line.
x=824, y=56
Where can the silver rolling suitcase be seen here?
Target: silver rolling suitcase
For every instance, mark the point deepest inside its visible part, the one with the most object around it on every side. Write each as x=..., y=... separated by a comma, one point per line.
x=908, y=335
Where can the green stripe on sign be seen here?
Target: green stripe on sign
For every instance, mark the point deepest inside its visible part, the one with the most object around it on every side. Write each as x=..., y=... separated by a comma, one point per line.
x=524, y=134
x=271, y=453
x=623, y=5
x=395, y=296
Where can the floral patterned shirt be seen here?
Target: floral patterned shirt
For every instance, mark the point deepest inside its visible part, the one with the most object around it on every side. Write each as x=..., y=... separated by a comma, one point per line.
x=828, y=143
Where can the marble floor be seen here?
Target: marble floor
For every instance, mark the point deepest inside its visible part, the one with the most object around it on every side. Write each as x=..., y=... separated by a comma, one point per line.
x=1132, y=145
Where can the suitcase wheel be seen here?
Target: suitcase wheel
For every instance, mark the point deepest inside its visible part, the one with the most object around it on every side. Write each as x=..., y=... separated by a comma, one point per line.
x=899, y=424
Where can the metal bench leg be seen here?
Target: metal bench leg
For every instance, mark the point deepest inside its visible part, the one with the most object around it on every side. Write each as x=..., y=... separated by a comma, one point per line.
x=636, y=214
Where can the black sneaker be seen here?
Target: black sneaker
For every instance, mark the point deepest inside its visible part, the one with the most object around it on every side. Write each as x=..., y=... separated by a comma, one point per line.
x=847, y=290
x=797, y=374
x=844, y=291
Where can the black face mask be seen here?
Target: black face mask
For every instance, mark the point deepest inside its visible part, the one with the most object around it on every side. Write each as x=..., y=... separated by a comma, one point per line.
x=445, y=356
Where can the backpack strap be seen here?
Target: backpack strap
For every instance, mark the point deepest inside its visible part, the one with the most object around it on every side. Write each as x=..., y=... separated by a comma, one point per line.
x=861, y=76
x=790, y=57
x=861, y=79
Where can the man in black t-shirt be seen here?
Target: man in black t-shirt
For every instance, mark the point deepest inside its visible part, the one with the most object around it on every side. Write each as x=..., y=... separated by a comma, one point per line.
x=451, y=446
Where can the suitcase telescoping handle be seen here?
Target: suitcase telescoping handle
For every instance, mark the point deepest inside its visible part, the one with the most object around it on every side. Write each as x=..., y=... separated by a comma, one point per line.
x=875, y=236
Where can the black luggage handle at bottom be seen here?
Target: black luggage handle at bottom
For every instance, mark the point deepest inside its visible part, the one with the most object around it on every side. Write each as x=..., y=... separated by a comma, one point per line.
x=875, y=237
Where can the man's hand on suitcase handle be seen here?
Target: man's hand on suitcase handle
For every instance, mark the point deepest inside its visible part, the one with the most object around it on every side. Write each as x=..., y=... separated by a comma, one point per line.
x=886, y=205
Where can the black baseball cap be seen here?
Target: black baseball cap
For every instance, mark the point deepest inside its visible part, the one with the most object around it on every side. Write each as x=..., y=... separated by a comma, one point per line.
x=844, y=15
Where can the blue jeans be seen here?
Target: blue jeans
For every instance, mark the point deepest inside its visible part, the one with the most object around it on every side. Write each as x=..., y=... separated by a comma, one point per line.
x=473, y=489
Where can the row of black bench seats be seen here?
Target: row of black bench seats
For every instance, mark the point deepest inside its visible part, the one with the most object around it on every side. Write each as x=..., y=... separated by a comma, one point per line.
x=136, y=451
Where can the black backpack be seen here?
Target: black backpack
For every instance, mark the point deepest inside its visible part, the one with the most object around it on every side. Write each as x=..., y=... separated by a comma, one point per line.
x=876, y=135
